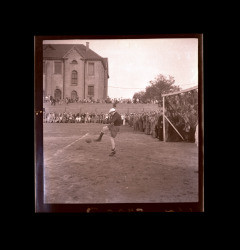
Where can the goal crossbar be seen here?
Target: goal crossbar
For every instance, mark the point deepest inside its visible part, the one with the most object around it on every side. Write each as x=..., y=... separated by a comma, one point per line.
x=179, y=92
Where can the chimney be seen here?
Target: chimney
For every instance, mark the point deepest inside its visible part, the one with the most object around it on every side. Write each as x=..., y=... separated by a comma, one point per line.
x=87, y=46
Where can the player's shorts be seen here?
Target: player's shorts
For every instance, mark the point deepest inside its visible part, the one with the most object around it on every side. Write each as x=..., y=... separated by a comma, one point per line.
x=113, y=130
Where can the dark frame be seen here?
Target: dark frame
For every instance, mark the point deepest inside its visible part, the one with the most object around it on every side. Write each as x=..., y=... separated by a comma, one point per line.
x=40, y=207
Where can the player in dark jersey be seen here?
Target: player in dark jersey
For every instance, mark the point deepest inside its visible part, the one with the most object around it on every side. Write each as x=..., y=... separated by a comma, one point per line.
x=113, y=128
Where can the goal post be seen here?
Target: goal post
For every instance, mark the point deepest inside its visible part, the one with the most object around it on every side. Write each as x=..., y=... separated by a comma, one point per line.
x=164, y=111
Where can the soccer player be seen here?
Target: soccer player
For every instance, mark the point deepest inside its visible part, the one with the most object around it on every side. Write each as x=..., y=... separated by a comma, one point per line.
x=114, y=127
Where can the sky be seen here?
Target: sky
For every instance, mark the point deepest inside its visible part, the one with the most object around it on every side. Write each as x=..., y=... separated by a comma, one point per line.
x=133, y=63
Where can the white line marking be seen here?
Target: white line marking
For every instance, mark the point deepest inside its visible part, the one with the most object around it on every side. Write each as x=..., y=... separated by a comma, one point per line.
x=61, y=150
x=75, y=141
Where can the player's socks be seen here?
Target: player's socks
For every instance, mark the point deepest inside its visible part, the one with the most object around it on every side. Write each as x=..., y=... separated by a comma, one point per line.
x=100, y=137
x=113, y=152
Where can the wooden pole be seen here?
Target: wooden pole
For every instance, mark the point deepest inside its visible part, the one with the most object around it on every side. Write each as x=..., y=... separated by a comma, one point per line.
x=164, y=137
x=174, y=128
x=179, y=92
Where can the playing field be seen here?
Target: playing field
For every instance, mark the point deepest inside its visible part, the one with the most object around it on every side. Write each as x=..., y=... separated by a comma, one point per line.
x=143, y=170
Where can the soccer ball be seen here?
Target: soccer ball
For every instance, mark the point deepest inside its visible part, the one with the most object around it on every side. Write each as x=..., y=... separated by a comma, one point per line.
x=88, y=140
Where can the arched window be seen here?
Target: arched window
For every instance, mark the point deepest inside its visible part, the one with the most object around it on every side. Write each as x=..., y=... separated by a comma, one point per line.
x=74, y=62
x=74, y=77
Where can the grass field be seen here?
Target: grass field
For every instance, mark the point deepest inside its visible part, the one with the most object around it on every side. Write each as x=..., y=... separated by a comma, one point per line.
x=143, y=170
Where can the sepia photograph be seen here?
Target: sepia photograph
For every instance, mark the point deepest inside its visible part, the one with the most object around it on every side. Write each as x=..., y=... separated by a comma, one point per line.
x=119, y=123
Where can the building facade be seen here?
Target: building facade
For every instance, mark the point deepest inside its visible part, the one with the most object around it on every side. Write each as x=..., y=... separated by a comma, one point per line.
x=74, y=72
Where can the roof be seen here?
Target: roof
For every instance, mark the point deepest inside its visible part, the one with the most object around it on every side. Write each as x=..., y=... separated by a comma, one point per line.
x=56, y=51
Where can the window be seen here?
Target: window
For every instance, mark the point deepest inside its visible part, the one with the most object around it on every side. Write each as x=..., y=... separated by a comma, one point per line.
x=91, y=69
x=74, y=77
x=74, y=62
x=91, y=90
x=57, y=67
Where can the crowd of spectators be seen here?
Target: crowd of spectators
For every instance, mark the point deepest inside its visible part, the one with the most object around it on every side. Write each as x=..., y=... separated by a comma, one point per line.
x=181, y=110
x=150, y=123
x=53, y=101
x=69, y=117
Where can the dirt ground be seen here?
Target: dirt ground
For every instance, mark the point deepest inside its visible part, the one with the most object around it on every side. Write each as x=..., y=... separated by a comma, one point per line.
x=143, y=170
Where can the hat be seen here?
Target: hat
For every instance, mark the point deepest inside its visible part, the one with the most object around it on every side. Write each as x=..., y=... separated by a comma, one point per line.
x=112, y=110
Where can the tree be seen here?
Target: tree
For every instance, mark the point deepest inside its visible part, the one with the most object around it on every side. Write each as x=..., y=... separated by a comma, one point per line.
x=139, y=96
x=150, y=94
x=159, y=86
x=163, y=85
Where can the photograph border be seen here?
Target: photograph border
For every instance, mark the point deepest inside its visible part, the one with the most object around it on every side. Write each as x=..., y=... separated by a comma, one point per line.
x=40, y=206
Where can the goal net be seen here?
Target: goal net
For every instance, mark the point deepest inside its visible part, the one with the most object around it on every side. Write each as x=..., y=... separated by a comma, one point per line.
x=180, y=115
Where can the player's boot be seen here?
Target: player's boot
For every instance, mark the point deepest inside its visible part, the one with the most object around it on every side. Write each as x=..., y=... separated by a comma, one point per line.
x=100, y=137
x=113, y=152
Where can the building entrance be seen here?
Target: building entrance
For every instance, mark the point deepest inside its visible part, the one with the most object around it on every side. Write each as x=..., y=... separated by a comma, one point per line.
x=74, y=95
x=57, y=94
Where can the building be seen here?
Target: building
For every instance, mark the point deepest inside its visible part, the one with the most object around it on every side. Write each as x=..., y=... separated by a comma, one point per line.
x=74, y=72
